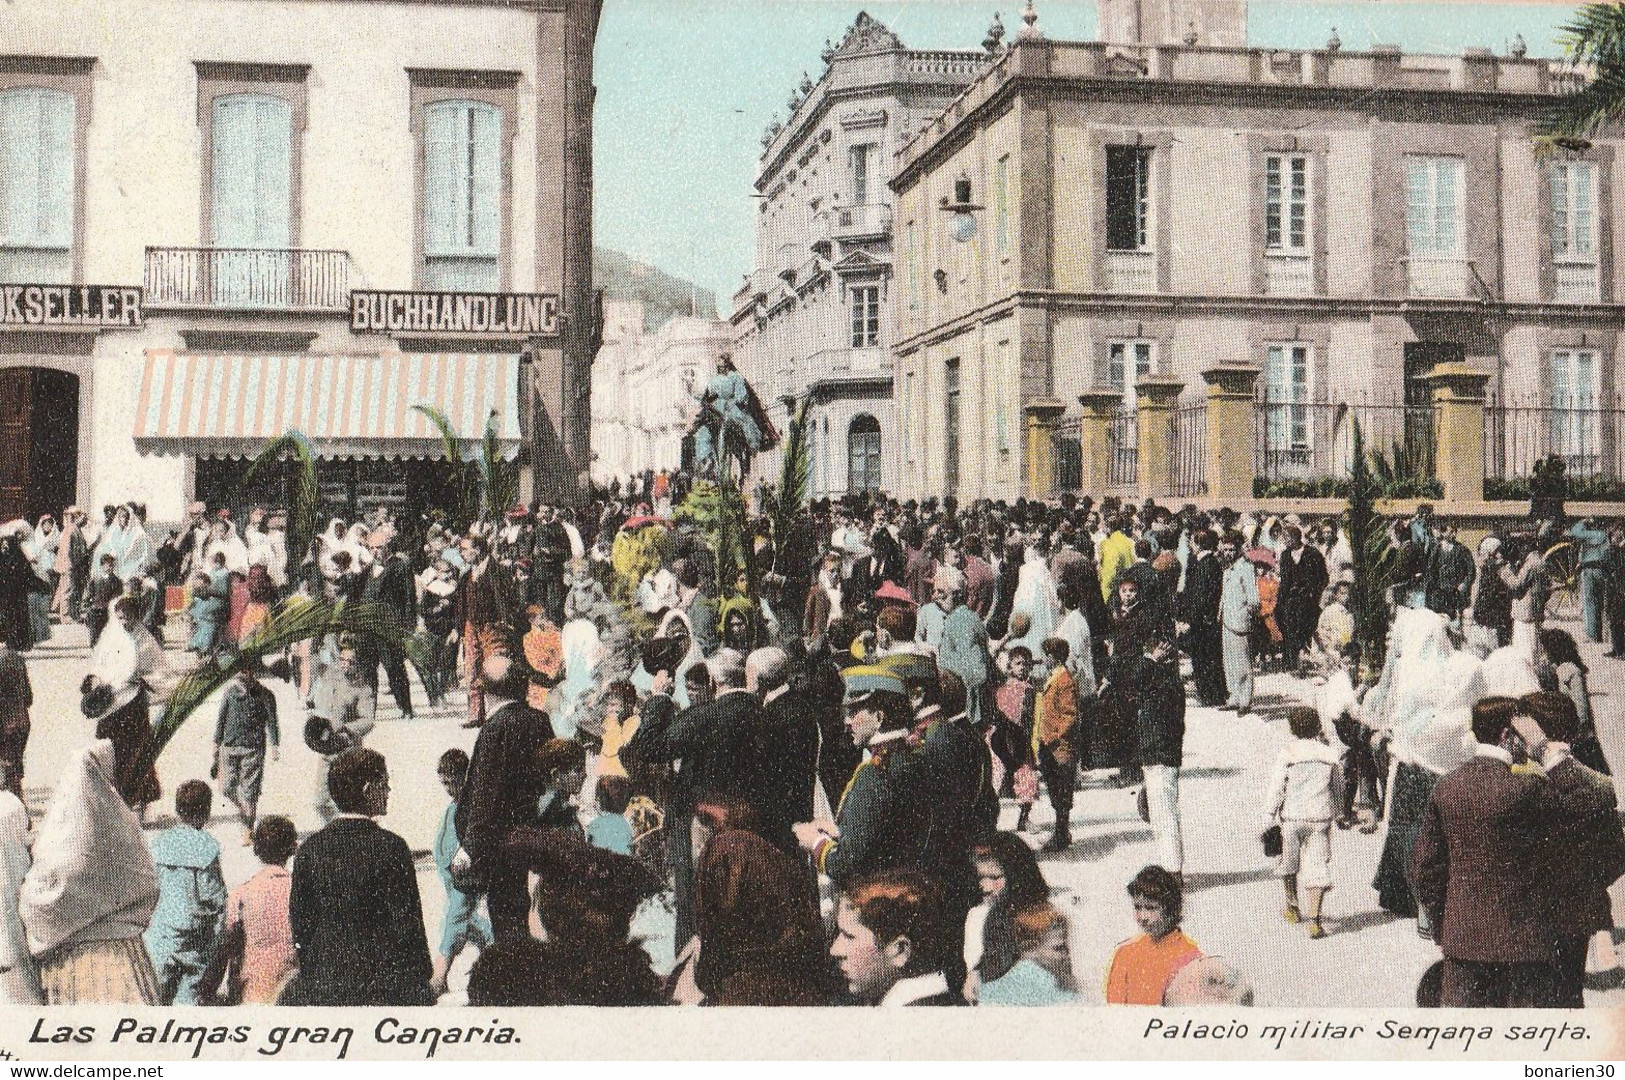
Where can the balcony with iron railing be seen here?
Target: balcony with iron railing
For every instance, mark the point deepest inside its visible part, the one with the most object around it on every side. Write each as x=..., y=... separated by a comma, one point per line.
x=247, y=279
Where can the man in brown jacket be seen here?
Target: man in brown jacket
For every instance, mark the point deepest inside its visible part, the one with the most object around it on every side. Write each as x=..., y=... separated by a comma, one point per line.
x=1477, y=863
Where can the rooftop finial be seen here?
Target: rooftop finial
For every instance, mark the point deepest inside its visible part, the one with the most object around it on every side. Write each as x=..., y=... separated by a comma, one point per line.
x=806, y=84
x=1029, y=15
x=995, y=35
x=829, y=52
x=1520, y=48
x=1334, y=42
x=1190, y=35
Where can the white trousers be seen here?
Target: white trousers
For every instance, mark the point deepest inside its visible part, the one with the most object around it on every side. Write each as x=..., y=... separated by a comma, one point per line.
x=1162, y=800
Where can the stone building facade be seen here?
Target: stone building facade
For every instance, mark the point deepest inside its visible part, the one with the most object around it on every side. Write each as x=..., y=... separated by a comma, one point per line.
x=813, y=321
x=1162, y=220
x=215, y=182
x=645, y=387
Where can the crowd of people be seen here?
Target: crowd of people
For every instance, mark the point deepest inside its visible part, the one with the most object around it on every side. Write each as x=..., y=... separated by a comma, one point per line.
x=799, y=764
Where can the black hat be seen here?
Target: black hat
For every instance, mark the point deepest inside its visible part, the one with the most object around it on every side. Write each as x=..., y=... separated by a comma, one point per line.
x=662, y=654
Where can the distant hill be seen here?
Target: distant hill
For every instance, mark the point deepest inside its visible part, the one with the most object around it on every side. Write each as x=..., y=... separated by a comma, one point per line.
x=625, y=278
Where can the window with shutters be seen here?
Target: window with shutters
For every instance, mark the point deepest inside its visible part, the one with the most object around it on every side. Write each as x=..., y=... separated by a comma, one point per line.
x=462, y=201
x=1286, y=407
x=1126, y=363
x=865, y=316
x=1575, y=394
x=1286, y=203
x=1128, y=198
x=1574, y=231
x=1433, y=205
x=859, y=158
x=863, y=455
x=37, y=194
x=251, y=172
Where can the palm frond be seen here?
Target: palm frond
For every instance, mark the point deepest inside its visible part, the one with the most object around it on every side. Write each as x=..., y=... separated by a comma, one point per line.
x=468, y=495
x=304, y=494
x=295, y=620
x=795, y=472
x=498, y=476
x=1595, y=37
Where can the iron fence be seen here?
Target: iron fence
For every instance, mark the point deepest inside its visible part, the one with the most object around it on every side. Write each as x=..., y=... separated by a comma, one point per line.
x=1188, y=462
x=1068, y=442
x=1124, y=434
x=1315, y=439
x=1589, y=438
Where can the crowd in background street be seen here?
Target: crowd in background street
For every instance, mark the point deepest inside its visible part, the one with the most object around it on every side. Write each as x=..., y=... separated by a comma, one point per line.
x=798, y=770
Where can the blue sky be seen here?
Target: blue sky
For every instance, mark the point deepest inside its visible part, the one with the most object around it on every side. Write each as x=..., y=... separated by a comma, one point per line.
x=685, y=88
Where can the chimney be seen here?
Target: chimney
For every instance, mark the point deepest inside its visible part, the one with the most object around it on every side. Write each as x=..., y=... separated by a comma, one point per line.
x=1214, y=23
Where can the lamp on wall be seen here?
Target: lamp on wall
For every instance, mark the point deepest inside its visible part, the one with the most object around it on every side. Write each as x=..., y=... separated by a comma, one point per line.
x=962, y=226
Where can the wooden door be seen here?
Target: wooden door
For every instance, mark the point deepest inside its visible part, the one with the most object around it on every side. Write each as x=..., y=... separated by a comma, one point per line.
x=16, y=431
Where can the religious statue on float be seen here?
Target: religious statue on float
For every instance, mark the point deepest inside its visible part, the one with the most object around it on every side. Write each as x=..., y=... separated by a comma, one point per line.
x=731, y=426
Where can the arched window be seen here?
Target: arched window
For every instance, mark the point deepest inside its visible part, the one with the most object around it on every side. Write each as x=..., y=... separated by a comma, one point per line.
x=863, y=454
x=36, y=184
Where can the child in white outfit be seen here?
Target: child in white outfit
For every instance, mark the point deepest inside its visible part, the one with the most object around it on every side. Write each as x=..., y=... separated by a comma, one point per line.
x=1302, y=800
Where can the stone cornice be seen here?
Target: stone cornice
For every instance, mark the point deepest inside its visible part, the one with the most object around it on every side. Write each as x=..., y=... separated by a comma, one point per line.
x=1263, y=307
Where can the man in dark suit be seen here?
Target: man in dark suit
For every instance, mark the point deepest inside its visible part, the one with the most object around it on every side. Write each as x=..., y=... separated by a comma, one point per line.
x=1447, y=582
x=714, y=747
x=786, y=750
x=390, y=585
x=354, y=908
x=1484, y=839
x=505, y=781
x=1303, y=582
x=1199, y=609
x=1585, y=851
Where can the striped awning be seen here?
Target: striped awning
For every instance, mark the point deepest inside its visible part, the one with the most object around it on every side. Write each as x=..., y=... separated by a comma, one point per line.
x=211, y=405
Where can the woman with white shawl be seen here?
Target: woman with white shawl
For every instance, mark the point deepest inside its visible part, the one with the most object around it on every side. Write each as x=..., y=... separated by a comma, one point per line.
x=1424, y=702
x=223, y=540
x=137, y=545
x=582, y=652
x=19, y=982
x=87, y=899
x=115, y=541
x=333, y=541
x=355, y=542
x=677, y=625
x=1036, y=598
x=41, y=550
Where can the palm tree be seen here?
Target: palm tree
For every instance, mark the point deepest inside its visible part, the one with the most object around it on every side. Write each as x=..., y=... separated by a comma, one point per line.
x=303, y=493
x=1594, y=37
x=292, y=621
x=486, y=486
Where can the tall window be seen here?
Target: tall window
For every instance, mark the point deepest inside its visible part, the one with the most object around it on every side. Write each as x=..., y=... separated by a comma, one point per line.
x=1574, y=395
x=1433, y=187
x=462, y=147
x=865, y=316
x=1286, y=203
x=1001, y=205
x=1006, y=397
x=863, y=454
x=858, y=157
x=911, y=257
x=1286, y=405
x=36, y=185
x=1128, y=198
x=252, y=172
x=1574, y=232
x=1126, y=362
x=908, y=416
